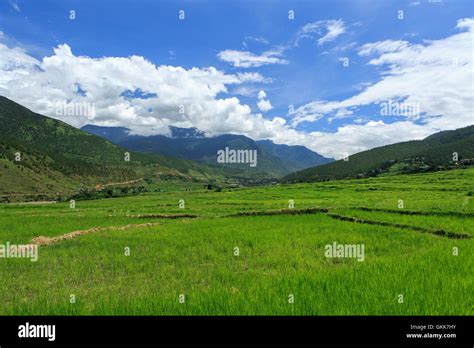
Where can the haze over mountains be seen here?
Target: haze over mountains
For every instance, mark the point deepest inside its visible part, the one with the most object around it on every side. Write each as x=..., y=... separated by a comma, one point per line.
x=190, y=143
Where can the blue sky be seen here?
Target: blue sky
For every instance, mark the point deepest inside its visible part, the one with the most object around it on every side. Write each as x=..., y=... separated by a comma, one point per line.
x=297, y=63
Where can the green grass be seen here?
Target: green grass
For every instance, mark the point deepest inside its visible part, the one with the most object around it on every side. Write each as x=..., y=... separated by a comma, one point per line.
x=279, y=255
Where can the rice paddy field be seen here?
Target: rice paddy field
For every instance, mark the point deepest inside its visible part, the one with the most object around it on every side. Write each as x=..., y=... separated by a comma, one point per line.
x=249, y=251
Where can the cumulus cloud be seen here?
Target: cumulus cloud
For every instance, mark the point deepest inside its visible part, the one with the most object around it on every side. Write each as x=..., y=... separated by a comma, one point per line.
x=147, y=98
x=263, y=104
x=261, y=94
x=132, y=92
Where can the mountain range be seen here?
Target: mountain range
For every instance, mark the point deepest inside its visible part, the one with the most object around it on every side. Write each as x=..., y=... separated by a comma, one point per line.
x=274, y=160
x=40, y=155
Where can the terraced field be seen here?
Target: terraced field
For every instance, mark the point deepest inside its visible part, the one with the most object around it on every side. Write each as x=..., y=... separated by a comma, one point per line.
x=247, y=252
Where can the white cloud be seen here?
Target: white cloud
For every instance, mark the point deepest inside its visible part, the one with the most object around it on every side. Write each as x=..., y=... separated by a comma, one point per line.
x=244, y=90
x=351, y=139
x=326, y=30
x=14, y=62
x=381, y=47
x=41, y=84
x=279, y=120
x=465, y=23
x=245, y=59
x=263, y=104
x=436, y=76
x=253, y=77
x=259, y=40
x=15, y=6
x=334, y=29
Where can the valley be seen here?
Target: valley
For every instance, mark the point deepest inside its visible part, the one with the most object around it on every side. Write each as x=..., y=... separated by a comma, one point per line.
x=131, y=231
x=137, y=255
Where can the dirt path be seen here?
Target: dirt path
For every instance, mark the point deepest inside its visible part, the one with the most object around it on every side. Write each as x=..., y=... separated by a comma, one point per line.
x=44, y=241
x=101, y=186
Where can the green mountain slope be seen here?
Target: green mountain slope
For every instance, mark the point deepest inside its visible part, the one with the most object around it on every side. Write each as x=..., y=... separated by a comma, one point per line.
x=54, y=156
x=432, y=153
x=205, y=150
x=274, y=160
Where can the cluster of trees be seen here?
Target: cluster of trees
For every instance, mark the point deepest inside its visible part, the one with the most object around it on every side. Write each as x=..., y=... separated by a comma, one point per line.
x=213, y=187
x=420, y=165
x=108, y=192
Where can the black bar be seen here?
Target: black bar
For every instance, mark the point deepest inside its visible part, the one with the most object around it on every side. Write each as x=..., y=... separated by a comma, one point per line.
x=194, y=330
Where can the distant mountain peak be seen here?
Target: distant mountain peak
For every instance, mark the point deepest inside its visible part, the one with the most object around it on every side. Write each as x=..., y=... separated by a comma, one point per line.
x=177, y=132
